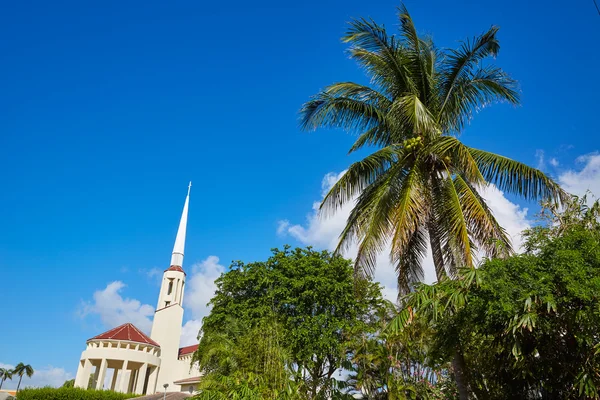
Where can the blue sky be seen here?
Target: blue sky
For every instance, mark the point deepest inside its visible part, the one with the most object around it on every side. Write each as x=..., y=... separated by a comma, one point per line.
x=109, y=109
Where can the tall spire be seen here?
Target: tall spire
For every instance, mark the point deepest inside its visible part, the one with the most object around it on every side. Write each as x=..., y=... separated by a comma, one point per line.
x=177, y=257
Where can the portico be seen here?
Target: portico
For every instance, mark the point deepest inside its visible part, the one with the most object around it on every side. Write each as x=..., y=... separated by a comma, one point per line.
x=133, y=357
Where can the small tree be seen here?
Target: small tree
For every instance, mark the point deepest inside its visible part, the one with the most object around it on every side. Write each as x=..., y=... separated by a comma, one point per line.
x=22, y=369
x=5, y=374
x=69, y=384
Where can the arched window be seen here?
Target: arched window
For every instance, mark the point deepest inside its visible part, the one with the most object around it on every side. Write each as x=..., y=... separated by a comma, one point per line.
x=170, y=287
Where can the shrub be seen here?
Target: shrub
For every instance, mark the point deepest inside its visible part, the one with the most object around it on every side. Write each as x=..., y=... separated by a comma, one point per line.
x=70, y=393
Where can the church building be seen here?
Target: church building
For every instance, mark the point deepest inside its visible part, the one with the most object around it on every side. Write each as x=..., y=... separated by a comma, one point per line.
x=144, y=364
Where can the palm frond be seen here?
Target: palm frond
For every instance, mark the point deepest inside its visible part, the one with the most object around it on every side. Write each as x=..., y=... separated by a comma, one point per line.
x=459, y=63
x=379, y=135
x=418, y=53
x=409, y=267
x=369, y=36
x=474, y=92
x=362, y=93
x=409, y=216
x=483, y=226
x=456, y=157
x=442, y=269
x=413, y=116
x=358, y=176
x=454, y=225
x=376, y=204
x=517, y=178
x=325, y=110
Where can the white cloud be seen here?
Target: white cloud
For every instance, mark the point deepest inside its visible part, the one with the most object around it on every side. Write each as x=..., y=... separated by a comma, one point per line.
x=323, y=232
x=586, y=177
x=540, y=157
x=189, y=332
x=199, y=289
x=153, y=274
x=45, y=376
x=511, y=216
x=115, y=310
x=554, y=162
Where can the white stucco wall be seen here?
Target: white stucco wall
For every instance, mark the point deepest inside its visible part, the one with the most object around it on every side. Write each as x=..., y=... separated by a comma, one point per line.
x=166, y=330
x=135, y=357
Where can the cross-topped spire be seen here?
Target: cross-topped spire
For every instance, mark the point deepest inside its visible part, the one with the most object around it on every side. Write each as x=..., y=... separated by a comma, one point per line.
x=177, y=257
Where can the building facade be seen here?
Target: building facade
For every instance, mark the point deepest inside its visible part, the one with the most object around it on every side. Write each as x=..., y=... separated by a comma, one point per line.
x=140, y=363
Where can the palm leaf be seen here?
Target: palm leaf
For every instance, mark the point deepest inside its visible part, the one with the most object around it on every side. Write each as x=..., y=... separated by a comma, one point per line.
x=376, y=136
x=409, y=267
x=358, y=176
x=456, y=157
x=371, y=37
x=482, y=224
x=517, y=178
x=325, y=110
x=460, y=62
x=454, y=224
x=486, y=86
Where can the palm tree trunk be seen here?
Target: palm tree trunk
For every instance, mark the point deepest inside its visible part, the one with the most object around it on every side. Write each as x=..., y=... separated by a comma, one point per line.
x=2, y=382
x=458, y=361
x=458, y=364
x=19, y=385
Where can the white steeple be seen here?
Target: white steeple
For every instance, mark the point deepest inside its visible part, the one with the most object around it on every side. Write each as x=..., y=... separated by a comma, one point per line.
x=177, y=257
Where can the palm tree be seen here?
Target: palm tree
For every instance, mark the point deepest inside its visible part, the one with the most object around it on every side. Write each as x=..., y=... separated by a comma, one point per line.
x=421, y=187
x=4, y=375
x=22, y=369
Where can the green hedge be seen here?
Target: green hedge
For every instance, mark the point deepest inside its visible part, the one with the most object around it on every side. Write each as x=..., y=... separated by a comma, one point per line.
x=69, y=393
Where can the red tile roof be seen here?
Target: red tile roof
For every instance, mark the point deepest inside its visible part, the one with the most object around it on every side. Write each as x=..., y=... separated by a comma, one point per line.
x=175, y=268
x=126, y=332
x=187, y=350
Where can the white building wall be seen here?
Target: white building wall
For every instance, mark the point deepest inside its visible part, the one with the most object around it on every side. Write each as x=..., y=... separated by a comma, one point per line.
x=128, y=353
x=166, y=328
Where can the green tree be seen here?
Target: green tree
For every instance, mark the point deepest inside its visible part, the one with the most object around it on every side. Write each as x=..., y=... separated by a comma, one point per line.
x=22, y=369
x=5, y=374
x=289, y=317
x=394, y=365
x=527, y=324
x=69, y=383
x=422, y=184
x=421, y=188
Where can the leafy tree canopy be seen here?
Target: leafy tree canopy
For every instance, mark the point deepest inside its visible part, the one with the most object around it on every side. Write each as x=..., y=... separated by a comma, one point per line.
x=290, y=317
x=527, y=325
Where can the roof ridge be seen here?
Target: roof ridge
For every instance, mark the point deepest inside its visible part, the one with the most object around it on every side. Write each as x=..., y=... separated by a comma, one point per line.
x=127, y=332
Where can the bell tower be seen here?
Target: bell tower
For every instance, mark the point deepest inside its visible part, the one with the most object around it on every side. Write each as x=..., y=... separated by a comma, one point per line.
x=168, y=318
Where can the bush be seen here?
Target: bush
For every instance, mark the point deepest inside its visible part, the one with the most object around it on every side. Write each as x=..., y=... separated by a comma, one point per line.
x=70, y=393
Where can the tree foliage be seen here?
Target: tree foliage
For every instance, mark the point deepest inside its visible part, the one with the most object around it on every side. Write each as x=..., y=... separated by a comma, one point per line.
x=5, y=373
x=527, y=326
x=22, y=369
x=286, y=321
x=71, y=393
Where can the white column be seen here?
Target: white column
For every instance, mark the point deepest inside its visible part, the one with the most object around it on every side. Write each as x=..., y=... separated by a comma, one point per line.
x=124, y=379
x=87, y=371
x=101, y=374
x=113, y=384
x=152, y=380
x=79, y=374
x=141, y=378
